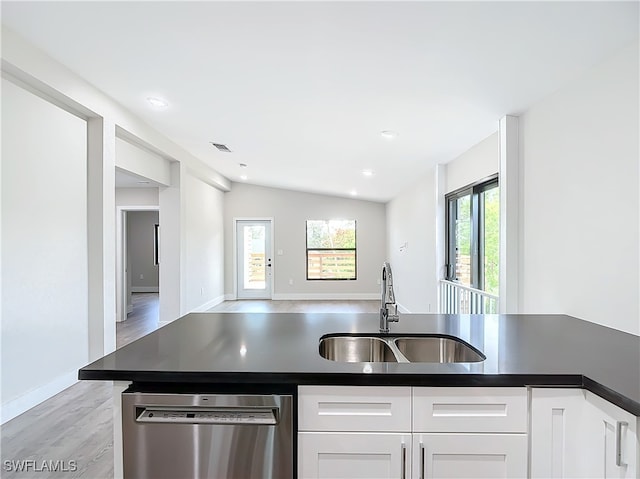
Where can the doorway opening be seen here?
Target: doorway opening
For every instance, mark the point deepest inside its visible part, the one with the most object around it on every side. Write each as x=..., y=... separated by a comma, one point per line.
x=137, y=272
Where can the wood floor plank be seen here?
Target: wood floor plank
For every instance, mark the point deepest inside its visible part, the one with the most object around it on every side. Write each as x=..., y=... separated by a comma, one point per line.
x=77, y=423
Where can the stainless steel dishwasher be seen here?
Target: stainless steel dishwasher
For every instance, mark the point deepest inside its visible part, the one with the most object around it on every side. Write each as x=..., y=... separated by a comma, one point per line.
x=220, y=436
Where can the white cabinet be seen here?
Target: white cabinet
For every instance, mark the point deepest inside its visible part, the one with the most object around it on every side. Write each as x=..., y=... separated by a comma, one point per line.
x=403, y=432
x=475, y=456
x=611, y=439
x=469, y=432
x=354, y=408
x=348, y=432
x=576, y=434
x=326, y=455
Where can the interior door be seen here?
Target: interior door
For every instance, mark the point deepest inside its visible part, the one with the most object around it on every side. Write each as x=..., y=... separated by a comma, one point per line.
x=253, y=259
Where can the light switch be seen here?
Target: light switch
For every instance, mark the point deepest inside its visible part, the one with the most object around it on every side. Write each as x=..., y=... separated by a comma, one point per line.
x=279, y=252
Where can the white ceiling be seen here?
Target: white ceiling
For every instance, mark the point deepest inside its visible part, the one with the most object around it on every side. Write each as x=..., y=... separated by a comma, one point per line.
x=300, y=91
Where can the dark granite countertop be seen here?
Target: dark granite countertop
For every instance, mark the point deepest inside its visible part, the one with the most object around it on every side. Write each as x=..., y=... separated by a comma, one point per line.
x=282, y=348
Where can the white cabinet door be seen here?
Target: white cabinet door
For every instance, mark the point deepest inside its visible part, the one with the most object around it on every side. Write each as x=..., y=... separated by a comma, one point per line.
x=611, y=440
x=475, y=456
x=576, y=434
x=557, y=445
x=323, y=455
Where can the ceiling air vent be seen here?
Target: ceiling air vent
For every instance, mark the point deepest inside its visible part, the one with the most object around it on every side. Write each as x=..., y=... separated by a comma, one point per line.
x=221, y=147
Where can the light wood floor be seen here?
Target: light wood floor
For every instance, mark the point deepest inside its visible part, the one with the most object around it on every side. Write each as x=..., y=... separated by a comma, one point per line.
x=325, y=306
x=76, y=425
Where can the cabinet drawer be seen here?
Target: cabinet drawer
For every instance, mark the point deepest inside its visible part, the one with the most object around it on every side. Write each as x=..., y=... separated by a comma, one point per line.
x=358, y=408
x=470, y=410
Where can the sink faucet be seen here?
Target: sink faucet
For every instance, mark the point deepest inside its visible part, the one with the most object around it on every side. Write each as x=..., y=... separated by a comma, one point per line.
x=388, y=299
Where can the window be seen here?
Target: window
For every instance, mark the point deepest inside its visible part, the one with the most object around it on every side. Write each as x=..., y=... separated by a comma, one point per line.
x=331, y=249
x=473, y=228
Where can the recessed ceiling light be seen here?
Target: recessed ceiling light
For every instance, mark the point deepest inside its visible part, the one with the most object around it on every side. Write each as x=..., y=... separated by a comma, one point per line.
x=389, y=134
x=354, y=193
x=367, y=172
x=244, y=177
x=158, y=103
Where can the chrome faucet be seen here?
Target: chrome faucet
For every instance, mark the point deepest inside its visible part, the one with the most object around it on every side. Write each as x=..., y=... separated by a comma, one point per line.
x=388, y=299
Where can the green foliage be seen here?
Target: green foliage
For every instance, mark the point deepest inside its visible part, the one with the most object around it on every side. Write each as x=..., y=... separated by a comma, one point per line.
x=331, y=234
x=491, y=240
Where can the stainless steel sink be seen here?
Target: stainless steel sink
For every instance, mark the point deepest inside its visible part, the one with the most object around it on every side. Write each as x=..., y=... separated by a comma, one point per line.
x=356, y=349
x=436, y=349
x=402, y=349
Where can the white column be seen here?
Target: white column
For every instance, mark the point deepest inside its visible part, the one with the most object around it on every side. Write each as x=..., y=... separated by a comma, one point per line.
x=510, y=227
x=441, y=226
x=101, y=233
x=171, y=248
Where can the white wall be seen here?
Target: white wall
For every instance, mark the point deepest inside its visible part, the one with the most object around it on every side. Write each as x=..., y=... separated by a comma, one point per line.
x=204, y=244
x=478, y=162
x=44, y=242
x=137, y=197
x=290, y=210
x=22, y=61
x=141, y=162
x=580, y=198
x=411, y=219
x=415, y=221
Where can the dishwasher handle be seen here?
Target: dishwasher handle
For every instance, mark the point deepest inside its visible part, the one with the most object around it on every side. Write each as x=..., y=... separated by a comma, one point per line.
x=195, y=415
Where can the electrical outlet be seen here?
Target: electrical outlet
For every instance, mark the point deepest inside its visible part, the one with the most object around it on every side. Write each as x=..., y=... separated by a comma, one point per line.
x=290, y=282
x=141, y=276
x=201, y=291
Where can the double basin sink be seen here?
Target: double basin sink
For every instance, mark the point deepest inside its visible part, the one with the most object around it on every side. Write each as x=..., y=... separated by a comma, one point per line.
x=433, y=348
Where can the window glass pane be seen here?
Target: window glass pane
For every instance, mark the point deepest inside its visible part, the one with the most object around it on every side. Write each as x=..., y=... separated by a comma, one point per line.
x=331, y=249
x=331, y=234
x=463, y=239
x=331, y=264
x=254, y=254
x=491, y=239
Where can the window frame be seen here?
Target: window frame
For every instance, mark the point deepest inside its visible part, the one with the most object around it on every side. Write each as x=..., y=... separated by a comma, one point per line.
x=476, y=236
x=354, y=249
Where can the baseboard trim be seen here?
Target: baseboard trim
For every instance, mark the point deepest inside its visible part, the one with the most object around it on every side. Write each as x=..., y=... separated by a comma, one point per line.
x=327, y=296
x=23, y=403
x=145, y=289
x=209, y=304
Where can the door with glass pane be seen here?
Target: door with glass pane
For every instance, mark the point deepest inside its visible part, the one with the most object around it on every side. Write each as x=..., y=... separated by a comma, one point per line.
x=253, y=259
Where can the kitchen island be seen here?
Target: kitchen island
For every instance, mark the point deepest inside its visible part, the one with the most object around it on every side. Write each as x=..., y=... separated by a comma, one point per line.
x=282, y=348
x=208, y=352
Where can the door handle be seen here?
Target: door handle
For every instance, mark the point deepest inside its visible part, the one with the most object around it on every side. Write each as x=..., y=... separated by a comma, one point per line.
x=422, y=461
x=403, y=462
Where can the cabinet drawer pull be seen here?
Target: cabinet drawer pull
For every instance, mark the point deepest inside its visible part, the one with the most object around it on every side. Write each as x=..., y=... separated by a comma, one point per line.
x=403, y=472
x=619, y=426
x=423, y=474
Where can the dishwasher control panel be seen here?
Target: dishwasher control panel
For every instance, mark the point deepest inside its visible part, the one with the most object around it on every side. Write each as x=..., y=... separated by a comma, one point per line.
x=207, y=416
